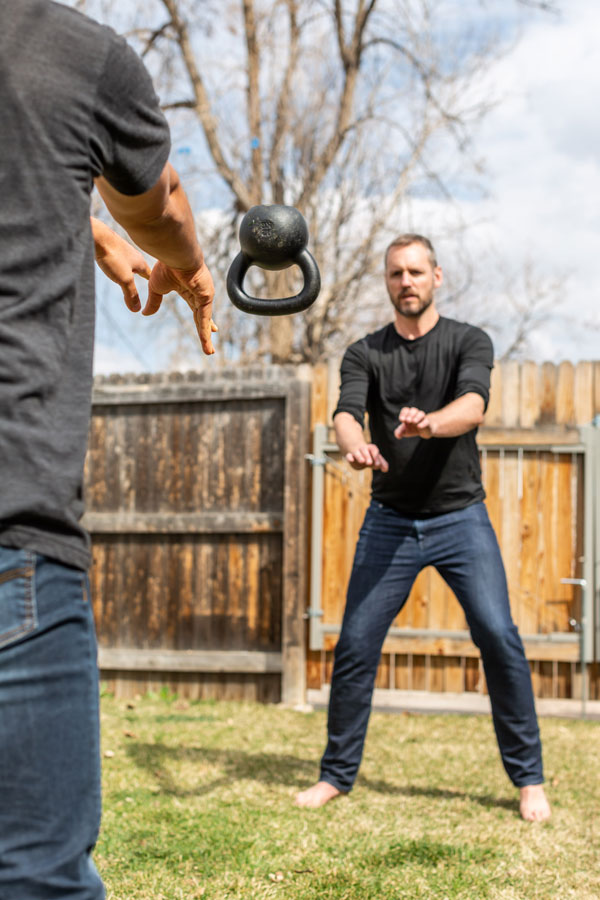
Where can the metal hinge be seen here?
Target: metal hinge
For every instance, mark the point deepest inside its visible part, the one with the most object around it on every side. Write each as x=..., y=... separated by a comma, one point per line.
x=313, y=613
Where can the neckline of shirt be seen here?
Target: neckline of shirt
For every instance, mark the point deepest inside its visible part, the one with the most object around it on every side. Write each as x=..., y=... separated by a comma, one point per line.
x=411, y=342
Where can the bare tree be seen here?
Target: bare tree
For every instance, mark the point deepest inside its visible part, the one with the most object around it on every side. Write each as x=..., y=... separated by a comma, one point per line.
x=510, y=302
x=345, y=109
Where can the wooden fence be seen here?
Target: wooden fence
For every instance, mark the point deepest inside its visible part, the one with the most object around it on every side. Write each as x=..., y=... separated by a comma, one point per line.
x=533, y=465
x=198, y=494
x=196, y=490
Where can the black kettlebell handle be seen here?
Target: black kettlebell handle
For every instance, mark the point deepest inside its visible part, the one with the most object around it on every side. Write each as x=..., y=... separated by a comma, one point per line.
x=284, y=306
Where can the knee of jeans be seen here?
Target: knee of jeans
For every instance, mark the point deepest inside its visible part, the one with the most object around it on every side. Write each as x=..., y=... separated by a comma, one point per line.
x=499, y=640
x=353, y=653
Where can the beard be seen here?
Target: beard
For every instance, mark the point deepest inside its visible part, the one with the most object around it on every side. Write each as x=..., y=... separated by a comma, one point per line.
x=412, y=311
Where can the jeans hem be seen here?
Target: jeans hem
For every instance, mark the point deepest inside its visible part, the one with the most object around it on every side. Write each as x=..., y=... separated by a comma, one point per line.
x=336, y=784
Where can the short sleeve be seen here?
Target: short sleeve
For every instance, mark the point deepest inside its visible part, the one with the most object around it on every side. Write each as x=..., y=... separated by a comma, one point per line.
x=354, y=382
x=475, y=365
x=130, y=143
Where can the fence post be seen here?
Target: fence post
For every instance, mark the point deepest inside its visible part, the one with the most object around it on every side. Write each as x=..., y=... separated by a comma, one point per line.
x=297, y=433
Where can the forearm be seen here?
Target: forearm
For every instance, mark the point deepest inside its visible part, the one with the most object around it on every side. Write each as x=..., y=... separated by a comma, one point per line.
x=348, y=432
x=102, y=236
x=160, y=222
x=458, y=417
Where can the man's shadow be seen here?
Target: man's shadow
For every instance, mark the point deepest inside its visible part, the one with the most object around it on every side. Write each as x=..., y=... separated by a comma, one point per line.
x=269, y=769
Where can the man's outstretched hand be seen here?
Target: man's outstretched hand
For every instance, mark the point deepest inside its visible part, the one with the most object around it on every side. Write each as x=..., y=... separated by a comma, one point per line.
x=120, y=261
x=413, y=423
x=367, y=456
x=197, y=289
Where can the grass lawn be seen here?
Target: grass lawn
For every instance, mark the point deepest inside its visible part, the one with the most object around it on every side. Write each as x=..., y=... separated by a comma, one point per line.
x=198, y=804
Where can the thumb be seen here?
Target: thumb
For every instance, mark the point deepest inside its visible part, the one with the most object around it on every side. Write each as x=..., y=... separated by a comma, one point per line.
x=152, y=303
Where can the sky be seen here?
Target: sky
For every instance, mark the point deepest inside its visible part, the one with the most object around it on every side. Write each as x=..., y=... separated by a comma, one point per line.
x=540, y=146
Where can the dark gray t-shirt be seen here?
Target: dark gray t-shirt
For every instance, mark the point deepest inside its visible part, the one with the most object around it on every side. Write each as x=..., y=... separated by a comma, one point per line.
x=76, y=103
x=384, y=372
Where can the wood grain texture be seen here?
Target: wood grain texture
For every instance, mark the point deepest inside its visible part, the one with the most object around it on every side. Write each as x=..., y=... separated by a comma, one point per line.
x=196, y=496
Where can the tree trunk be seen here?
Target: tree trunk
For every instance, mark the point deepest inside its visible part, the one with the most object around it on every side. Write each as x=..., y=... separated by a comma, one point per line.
x=281, y=328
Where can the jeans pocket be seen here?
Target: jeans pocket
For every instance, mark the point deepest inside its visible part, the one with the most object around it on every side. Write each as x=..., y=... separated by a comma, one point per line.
x=18, y=611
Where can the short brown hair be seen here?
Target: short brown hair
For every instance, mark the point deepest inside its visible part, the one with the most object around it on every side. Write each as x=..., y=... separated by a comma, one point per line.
x=405, y=240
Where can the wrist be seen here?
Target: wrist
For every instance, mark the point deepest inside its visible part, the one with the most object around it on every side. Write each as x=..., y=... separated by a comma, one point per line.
x=191, y=270
x=433, y=425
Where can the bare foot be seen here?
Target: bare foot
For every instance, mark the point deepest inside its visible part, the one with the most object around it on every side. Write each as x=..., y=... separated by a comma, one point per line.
x=533, y=805
x=317, y=795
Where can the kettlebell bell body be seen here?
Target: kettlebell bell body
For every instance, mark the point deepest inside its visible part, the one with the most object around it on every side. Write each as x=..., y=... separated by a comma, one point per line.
x=273, y=238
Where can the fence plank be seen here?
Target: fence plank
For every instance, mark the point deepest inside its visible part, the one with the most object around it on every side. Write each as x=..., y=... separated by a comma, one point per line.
x=511, y=393
x=531, y=552
x=293, y=688
x=548, y=394
x=565, y=405
x=529, y=400
x=237, y=522
x=494, y=413
x=132, y=659
x=584, y=393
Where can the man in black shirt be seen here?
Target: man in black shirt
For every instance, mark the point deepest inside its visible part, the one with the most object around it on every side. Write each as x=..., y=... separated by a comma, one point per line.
x=424, y=381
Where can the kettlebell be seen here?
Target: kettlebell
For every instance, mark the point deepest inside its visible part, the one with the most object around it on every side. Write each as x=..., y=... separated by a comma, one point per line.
x=273, y=237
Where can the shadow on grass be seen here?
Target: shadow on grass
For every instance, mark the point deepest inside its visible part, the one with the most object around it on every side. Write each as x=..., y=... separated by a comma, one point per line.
x=269, y=769
x=237, y=765
x=425, y=852
x=486, y=800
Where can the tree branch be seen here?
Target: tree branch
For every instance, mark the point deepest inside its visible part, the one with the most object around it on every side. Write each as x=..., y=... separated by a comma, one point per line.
x=282, y=110
x=350, y=55
x=203, y=107
x=253, y=94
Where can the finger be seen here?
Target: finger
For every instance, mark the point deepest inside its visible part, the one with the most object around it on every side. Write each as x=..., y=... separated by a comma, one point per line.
x=400, y=431
x=143, y=269
x=152, y=303
x=356, y=465
x=203, y=327
x=362, y=455
x=410, y=414
x=213, y=326
x=382, y=464
x=354, y=462
x=131, y=296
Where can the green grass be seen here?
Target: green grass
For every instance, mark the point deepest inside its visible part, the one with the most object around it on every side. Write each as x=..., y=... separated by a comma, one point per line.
x=198, y=803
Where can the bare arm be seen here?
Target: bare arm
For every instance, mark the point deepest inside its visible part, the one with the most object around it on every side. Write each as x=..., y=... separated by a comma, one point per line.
x=456, y=418
x=351, y=441
x=160, y=221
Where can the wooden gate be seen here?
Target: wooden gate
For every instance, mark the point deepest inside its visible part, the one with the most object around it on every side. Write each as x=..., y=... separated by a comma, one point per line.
x=195, y=496
x=533, y=465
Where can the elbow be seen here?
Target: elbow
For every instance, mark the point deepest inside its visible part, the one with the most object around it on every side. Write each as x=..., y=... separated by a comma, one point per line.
x=479, y=413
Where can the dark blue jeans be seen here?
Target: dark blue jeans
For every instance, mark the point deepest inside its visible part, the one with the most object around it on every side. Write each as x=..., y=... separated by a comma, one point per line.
x=49, y=734
x=391, y=551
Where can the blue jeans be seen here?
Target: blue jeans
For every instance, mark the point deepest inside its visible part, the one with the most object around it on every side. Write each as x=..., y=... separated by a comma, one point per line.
x=49, y=731
x=391, y=551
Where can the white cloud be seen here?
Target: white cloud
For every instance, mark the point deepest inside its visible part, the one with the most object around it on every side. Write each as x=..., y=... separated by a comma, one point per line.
x=541, y=149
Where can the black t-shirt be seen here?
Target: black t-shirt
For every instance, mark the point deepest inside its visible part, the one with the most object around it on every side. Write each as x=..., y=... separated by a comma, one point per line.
x=383, y=372
x=76, y=103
